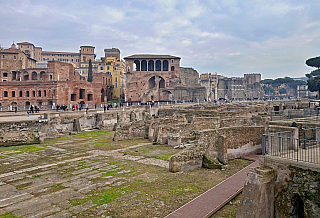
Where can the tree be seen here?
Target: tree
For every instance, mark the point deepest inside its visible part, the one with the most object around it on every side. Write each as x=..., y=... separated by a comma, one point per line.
x=313, y=62
x=90, y=71
x=282, y=91
x=266, y=81
x=296, y=83
x=268, y=90
x=314, y=84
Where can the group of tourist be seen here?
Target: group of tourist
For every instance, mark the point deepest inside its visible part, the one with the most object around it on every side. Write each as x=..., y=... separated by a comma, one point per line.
x=33, y=109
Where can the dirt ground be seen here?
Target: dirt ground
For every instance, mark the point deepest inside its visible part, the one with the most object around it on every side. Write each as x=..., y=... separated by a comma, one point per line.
x=89, y=175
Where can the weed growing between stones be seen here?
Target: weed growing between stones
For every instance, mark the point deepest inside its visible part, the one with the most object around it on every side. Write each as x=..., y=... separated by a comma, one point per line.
x=8, y=215
x=56, y=187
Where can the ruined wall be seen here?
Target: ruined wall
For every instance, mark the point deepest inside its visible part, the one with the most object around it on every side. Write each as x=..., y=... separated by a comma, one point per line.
x=222, y=143
x=189, y=76
x=201, y=123
x=132, y=130
x=158, y=130
x=238, y=141
x=236, y=121
x=280, y=188
x=188, y=159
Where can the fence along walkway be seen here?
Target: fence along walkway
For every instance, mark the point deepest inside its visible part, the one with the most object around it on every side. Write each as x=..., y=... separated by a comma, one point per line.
x=300, y=150
x=293, y=113
x=212, y=200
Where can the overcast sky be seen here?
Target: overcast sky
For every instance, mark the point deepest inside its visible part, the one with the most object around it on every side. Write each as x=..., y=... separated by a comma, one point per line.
x=230, y=37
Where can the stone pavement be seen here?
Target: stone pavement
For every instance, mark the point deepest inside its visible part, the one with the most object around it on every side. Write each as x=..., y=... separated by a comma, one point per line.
x=212, y=200
x=44, y=183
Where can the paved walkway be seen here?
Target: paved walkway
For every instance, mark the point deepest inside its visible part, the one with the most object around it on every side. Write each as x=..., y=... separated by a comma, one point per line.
x=212, y=200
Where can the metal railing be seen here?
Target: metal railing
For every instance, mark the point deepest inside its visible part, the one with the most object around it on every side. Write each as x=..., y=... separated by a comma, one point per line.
x=293, y=113
x=300, y=150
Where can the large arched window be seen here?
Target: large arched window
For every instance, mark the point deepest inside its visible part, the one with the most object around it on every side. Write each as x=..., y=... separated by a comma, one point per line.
x=143, y=65
x=165, y=65
x=152, y=82
x=137, y=63
x=158, y=65
x=151, y=65
x=34, y=76
x=25, y=76
x=162, y=83
x=41, y=74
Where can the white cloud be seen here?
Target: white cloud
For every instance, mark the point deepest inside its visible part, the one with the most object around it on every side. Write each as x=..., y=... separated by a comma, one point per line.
x=223, y=36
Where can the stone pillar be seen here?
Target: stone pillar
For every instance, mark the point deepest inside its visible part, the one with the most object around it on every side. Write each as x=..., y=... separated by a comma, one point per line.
x=257, y=199
x=76, y=125
x=174, y=138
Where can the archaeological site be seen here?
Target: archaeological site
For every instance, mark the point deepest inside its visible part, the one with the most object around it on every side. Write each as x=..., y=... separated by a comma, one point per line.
x=138, y=160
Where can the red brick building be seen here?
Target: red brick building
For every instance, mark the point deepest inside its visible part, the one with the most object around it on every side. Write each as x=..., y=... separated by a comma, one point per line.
x=160, y=78
x=151, y=77
x=58, y=84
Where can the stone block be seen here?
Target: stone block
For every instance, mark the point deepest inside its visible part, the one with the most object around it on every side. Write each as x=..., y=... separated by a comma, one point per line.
x=257, y=199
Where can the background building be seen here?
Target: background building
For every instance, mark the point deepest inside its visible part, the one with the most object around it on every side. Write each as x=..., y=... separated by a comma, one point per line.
x=85, y=53
x=160, y=78
x=55, y=83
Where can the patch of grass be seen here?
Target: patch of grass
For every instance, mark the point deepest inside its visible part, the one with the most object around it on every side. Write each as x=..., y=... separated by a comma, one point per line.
x=78, y=201
x=21, y=149
x=102, y=197
x=86, y=135
x=56, y=187
x=21, y=186
x=36, y=176
x=110, y=173
x=163, y=157
x=109, y=195
x=8, y=215
x=115, y=162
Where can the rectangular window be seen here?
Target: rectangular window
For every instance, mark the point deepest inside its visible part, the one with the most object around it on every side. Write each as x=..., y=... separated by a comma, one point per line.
x=108, y=68
x=20, y=94
x=44, y=93
x=90, y=97
x=33, y=93
x=84, y=58
x=101, y=68
x=116, y=85
x=44, y=59
x=81, y=93
x=71, y=60
x=13, y=94
x=5, y=74
x=15, y=57
x=77, y=60
x=73, y=97
x=39, y=93
x=116, y=73
x=27, y=93
x=5, y=94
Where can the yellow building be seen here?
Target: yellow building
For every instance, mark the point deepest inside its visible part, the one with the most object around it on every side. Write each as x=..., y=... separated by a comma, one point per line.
x=84, y=68
x=115, y=67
